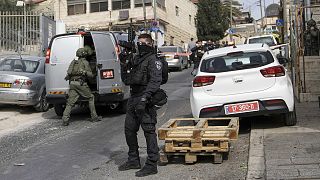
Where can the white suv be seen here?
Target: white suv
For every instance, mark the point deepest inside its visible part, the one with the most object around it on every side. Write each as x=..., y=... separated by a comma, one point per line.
x=246, y=80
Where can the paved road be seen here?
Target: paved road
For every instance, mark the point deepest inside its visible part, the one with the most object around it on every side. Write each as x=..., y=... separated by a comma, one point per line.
x=36, y=147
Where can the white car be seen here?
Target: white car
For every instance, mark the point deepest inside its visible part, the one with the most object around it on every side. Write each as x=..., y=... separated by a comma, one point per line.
x=242, y=81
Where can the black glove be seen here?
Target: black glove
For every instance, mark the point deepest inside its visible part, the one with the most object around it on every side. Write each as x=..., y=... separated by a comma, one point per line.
x=141, y=107
x=67, y=78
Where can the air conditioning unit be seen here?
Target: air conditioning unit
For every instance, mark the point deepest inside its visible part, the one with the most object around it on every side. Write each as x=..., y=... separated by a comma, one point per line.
x=123, y=15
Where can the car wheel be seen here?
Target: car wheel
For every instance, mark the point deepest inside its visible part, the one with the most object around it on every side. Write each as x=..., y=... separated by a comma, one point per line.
x=42, y=105
x=290, y=119
x=59, y=108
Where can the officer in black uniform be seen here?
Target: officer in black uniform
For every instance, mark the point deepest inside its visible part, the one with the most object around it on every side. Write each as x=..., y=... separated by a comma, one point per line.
x=144, y=77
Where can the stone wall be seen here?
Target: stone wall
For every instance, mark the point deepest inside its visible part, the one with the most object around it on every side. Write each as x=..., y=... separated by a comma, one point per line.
x=312, y=78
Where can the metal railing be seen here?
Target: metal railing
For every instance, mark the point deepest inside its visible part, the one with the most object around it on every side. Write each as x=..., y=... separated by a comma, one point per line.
x=20, y=31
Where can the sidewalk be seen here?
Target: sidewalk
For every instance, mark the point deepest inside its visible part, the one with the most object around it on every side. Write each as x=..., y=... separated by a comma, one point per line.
x=280, y=152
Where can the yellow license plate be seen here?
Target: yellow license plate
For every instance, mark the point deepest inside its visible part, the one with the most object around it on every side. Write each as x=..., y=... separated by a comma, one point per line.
x=5, y=85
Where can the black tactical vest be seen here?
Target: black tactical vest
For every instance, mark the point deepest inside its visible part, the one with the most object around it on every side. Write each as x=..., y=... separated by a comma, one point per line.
x=139, y=73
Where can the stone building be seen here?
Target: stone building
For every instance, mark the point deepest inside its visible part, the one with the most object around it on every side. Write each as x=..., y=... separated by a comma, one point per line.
x=175, y=19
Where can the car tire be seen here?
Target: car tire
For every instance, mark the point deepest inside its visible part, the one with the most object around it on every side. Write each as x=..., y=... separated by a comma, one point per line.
x=42, y=105
x=290, y=119
x=59, y=108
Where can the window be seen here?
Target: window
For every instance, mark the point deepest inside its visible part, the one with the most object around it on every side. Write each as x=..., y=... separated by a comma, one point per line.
x=177, y=11
x=161, y=4
x=120, y=4
x=76, y=7
x=138, y=3
x=267, y=40
x=190, y=19
x=98, y=5
x=236, y=61
x=19, y=65
x=314, y=1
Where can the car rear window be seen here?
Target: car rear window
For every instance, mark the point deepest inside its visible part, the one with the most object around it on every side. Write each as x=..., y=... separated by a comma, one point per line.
x=267, y=40
x=236, y=61
x=168, y=49
x=19, y=65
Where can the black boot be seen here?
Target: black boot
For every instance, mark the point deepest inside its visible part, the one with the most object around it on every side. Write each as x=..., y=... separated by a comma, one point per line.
x=65, y=123
x=96, y=119
x=147, y=170
x=129, y=165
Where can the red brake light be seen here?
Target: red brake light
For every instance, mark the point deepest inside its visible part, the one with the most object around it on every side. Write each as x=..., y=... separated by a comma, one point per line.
x=28, y=82
x=48, y=56
x=203, y=81
x=275, y=71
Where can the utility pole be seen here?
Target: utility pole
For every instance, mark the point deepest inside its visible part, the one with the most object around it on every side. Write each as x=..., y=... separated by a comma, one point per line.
x=262, y=19
x=144, y=15
x=24, y=24
x=230, y=14
x=156, y=20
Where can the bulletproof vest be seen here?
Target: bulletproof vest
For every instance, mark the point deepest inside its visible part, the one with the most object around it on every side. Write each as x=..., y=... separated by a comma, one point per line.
x=139, y=73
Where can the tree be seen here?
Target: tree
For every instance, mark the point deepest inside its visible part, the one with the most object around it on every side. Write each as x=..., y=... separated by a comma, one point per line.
x=211, y=22
x=9, y=5
x=226, y=6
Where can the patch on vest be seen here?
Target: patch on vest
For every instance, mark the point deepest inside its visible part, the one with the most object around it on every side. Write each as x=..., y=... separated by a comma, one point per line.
x=158, y=65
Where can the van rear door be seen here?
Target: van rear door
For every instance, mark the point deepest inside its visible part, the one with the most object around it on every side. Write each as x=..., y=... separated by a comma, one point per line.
x=109, y=77
x=63, y=51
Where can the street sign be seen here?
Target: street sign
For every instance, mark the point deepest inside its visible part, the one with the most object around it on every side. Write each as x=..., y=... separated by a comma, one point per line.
x=280, y=22
x=231, y=31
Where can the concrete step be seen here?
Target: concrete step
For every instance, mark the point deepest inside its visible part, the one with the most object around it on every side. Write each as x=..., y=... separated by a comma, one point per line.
x=309, y=97
x=312, y=64
x=311, y=75
x=313, y=86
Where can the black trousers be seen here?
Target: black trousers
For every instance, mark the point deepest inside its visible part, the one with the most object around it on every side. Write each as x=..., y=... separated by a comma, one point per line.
x=148, y=122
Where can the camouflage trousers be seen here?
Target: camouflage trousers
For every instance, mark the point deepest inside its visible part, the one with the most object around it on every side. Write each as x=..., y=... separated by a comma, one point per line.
x=76, y=90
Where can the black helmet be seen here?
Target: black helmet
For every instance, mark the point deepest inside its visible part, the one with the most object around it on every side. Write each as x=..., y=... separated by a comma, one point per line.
x=159, y=98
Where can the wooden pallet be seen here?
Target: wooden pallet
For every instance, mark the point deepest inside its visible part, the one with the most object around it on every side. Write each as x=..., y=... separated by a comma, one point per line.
x=205, y=136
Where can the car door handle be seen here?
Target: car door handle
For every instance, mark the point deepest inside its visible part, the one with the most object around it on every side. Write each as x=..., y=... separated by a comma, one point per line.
x=53, y=64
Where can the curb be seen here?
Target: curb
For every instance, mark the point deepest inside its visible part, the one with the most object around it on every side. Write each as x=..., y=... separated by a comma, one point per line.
x=256, y=162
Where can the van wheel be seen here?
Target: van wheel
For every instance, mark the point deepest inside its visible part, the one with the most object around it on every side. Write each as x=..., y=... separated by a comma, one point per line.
x=59, y=108
x=122, y=108
x=290, y=119
x=42, y=105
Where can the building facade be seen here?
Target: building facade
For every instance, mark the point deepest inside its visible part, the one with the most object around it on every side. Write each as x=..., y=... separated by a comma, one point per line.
x=175, y=22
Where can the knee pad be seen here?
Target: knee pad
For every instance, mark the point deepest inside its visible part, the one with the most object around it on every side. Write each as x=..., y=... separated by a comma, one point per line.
x=149, y=128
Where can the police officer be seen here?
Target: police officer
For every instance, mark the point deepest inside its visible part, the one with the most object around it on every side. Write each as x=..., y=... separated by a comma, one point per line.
x=144, y=78
x=199, y=51
x=78, y=73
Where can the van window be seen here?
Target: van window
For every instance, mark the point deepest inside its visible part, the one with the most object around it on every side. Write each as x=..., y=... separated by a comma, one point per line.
x=105, y=49
x=64, y=49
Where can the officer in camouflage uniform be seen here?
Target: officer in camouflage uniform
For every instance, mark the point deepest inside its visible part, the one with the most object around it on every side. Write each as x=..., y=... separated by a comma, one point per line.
x=78, y=73
x=144, y=78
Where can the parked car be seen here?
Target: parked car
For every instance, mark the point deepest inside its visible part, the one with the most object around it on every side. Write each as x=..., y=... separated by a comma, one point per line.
x=175, y=57
x=268, y=39
x=247, y=80
x=22, y=82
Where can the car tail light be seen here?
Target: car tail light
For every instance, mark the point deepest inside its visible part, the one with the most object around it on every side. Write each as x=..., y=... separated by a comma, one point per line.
x=203, y=81
x=48, y=56
x=176, y=57
x=24, y=82
x=275, y=71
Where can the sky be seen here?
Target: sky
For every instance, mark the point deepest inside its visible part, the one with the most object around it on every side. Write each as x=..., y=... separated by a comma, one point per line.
x=255, y=10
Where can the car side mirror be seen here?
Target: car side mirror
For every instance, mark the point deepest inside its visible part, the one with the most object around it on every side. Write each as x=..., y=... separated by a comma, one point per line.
x=283, y=60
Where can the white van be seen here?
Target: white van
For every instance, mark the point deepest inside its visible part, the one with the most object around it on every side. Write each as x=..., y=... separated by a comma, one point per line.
x=107, y=87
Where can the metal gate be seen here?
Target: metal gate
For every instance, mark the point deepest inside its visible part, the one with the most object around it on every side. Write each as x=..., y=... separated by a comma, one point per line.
x=23, y=31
